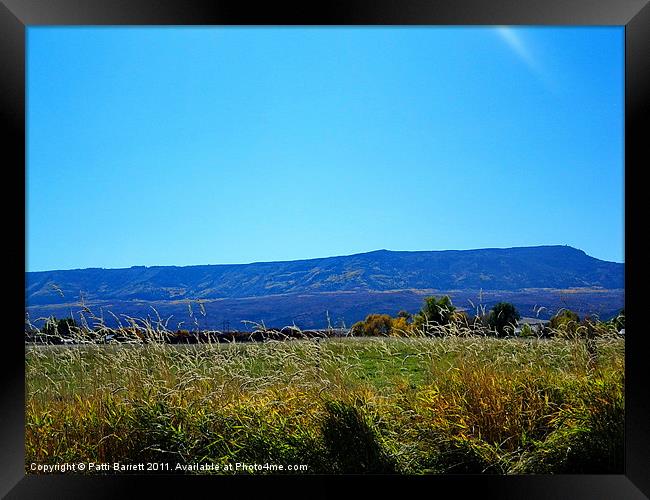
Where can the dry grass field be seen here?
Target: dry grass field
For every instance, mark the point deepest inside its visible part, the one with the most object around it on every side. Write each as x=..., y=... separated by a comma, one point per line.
x=356, y=405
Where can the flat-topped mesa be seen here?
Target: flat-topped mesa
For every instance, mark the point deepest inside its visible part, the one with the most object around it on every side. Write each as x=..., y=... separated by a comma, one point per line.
x=556, y=266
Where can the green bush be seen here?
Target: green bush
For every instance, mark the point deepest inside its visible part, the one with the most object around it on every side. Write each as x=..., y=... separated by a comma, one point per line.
x=434, y=314
x=503, y=318
x=526, y=331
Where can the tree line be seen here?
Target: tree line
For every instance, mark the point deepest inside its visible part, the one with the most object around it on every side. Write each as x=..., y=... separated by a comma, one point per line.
x=439, y=317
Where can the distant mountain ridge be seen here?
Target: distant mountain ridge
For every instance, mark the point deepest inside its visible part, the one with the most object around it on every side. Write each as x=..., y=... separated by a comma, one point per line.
x=508, y=269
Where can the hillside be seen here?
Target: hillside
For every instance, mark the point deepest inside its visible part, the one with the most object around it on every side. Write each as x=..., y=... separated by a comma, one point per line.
x=344, y=289
x=487, y=269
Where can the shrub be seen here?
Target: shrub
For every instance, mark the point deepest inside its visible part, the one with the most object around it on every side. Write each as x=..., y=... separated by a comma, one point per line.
x=526, y=331
x=373, y=325
x=503, y=318
x=381, y=325
x=565, y=323
x=59, y=327
x=434, y=313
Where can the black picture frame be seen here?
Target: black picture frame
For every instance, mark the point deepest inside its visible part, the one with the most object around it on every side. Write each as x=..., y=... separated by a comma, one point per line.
x=17, y=15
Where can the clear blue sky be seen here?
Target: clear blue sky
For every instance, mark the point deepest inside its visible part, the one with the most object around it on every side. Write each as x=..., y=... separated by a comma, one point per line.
x=181, y=146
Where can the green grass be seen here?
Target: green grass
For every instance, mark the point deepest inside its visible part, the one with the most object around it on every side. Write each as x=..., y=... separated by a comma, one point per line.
x=442, y=405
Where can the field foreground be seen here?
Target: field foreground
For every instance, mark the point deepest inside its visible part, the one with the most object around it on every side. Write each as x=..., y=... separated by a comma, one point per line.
x=379, y=405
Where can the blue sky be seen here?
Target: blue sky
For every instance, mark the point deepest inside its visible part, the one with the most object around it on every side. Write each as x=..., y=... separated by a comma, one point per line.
x=181, y=146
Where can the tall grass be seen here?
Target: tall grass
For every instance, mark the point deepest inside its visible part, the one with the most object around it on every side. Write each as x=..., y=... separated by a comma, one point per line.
x=456, y=404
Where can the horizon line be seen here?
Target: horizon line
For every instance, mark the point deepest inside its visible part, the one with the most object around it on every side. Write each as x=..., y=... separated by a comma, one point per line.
x=319, y=258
